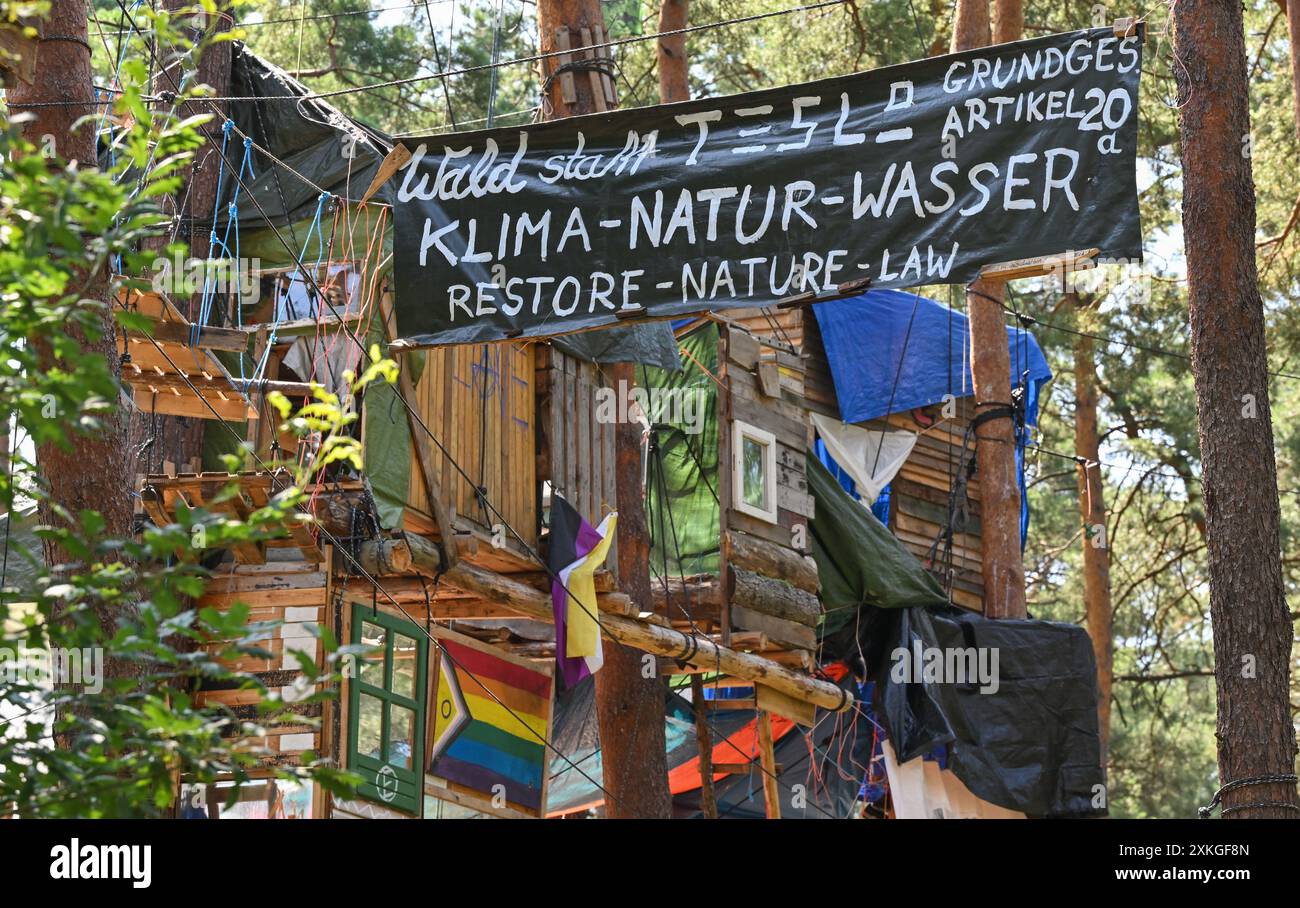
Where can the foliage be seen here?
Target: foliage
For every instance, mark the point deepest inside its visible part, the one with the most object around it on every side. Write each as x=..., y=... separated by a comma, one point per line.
x=85, y=742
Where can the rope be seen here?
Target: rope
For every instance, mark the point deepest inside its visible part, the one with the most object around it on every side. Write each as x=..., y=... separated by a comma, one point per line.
x=533, y=58
x=1277, y=778
x=418, y=419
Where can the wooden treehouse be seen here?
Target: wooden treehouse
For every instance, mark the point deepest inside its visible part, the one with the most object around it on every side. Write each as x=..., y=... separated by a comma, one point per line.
x=451, y=518
x=922, y=489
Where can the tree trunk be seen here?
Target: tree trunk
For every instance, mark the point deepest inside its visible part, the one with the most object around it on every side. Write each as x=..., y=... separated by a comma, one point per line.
x=1252, y=631
x=629, y=705
x=1092, y=509
x=1008, y=20
x=91, y=473
x=673, y=69
x=995, y=453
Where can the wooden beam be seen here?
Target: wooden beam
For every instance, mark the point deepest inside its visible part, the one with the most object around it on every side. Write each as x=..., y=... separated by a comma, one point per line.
x=708, y=801
x=767, y=755
x=230, y=340
x=650, y=638
x=391, y=163
x=1059, y=263
x=134, y=375
x=770, y=560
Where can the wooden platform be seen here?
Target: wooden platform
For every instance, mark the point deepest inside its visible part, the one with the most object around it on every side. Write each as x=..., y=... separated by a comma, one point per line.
x=172, y=369
x=162, y=497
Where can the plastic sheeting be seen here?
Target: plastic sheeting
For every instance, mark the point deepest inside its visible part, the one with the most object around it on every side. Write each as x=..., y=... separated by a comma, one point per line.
x=1030, y=745
x=650, y=345
x=885, y=360
x=682, y=510
x=872, y=458
x=859, y=562
x=335, y=152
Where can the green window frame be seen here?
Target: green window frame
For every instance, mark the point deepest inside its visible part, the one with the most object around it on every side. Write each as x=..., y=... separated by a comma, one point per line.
x=386, y=710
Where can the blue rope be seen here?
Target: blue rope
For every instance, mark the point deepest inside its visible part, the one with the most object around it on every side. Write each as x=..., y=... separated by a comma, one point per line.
x=320, y=255
x=214, y=244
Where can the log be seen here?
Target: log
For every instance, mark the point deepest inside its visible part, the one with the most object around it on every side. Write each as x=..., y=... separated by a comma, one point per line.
x=700, y=596
x=708, y=801
x=774, y=597
x=650, y=638
x=771, y=560
x=777, y=629
x=767, y=755
x=409, y=554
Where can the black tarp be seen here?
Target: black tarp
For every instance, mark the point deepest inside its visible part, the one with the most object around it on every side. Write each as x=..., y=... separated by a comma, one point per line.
x=673, y=209
x=1033, y=744
x=333, y=151
x=650, y=345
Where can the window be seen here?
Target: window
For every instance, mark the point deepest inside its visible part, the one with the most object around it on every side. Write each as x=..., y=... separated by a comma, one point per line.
x=753, y=456
x=386, y=702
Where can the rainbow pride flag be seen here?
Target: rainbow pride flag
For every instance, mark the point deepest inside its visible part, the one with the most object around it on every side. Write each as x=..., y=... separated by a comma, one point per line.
x=491, y=717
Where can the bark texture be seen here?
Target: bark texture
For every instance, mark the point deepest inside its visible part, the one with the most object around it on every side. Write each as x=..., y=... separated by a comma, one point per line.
x=629, y=705
x=673, y=69
x=1008, y=20
x=1092, y=511
x=995, y=455
x=91, y=472
x=1252, y=630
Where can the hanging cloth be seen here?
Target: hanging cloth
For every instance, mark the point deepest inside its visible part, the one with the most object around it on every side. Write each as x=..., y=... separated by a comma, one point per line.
x=870, y=456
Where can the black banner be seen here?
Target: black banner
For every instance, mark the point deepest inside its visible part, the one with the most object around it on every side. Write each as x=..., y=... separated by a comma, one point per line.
x=910, y=175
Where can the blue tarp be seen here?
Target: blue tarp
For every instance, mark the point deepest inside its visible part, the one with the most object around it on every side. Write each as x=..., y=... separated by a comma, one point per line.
x=887, y=351
x=867, y=336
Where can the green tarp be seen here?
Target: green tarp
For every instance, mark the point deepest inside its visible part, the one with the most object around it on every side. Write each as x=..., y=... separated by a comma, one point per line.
x=858, y=560
x=682, y=469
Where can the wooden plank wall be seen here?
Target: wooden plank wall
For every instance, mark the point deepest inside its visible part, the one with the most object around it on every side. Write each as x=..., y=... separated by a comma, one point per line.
x=771, y=545
x=293, y=592
x=479, y=401
x=920, y=492
x=576, y=451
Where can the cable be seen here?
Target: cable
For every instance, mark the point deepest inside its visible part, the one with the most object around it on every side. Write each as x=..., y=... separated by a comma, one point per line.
x=1027, y=320
x=415, y=416
x=356, y=565
x=532, y=58
x=437, y=59
x=294, y=20
x=211, y=102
